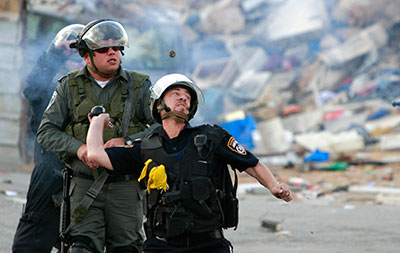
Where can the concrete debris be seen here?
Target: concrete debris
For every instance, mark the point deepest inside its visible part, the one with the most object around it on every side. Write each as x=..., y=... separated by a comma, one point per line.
x=282, y=24
x=225, y=16
x=274, y=135
x=340, y=142
x=249, y=85
x=375, y=189
x=388, y=199
x=218, y=73
x=369, y=39
x=311, y=74
x=390, y=142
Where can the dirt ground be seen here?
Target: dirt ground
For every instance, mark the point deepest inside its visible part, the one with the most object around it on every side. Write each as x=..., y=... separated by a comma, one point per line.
x=378, y=171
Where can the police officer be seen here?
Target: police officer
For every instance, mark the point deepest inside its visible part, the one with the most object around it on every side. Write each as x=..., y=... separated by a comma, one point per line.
x=37, y=229
x=125, y=95
x=184, y=167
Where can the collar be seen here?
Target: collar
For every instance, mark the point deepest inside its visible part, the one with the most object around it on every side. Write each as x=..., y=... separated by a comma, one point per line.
x=160, y=131
x=123, y=73
x=83, y=72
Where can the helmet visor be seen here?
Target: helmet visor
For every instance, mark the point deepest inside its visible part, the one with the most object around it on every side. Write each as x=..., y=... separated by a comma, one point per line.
x=66, y=36
x=106, y=34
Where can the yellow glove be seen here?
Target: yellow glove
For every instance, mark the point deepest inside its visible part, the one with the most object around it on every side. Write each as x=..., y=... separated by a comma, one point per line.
x=157, y=177
x=144, y=170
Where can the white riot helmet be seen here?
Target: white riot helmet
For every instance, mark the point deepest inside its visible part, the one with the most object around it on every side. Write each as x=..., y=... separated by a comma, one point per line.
x=169, y=81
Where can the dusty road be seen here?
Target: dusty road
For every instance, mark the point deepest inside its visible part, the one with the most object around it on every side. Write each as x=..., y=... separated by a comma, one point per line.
x=316, y=226
x=335, y=223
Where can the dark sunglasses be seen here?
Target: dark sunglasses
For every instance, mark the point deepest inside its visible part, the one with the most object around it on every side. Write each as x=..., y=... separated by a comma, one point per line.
x=104, y=50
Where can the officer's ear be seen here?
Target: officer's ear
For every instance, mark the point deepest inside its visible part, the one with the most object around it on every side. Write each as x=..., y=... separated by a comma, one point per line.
x=159, y=106
x=86, y=57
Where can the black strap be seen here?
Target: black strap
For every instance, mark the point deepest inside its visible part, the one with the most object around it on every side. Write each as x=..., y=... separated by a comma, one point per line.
x=126, y=117
x=89, y=197
x=81, y=90
x=94, y=190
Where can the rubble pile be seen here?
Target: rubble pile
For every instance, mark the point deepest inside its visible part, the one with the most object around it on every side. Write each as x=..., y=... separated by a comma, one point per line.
x=307, y=75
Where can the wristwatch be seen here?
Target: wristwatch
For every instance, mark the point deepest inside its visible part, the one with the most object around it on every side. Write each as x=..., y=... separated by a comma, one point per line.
x=128, y=141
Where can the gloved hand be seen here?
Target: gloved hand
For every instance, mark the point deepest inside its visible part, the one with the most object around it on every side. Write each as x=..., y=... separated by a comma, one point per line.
x=157, y=178
x=56, y=53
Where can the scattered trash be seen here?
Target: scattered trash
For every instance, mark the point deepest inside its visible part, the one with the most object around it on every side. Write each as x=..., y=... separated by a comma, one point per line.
x=379, y=114
x=317, y=156
x=283, y=234
x=344, y=188
x=388, y=174
x=9, y=193
x=7, y=181
x=298, y=181
x=338, y=166
x=271, y=224
x=349, y=207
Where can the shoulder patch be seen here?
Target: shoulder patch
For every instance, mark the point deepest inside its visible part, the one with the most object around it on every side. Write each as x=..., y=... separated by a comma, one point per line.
x=128, y=146
x=53, y=98
x=236, y=146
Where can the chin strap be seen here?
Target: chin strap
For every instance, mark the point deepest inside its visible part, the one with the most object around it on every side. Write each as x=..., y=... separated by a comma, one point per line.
x=177, y=116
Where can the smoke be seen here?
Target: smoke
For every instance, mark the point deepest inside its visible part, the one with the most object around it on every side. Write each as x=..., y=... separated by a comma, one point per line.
x=217, y=43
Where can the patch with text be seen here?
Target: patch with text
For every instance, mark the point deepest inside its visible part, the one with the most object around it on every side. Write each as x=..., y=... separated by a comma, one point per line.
x=236, y=147
x=53, y=98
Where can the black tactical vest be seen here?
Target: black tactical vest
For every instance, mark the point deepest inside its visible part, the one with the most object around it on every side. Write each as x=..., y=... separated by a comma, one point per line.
x=192, y=203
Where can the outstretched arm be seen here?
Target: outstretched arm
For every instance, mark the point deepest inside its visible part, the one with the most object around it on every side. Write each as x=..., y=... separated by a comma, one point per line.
x=267, y=179
x=94, y=141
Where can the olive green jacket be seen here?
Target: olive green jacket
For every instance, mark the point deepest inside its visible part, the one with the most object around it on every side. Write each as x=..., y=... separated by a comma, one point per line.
x=66, y=113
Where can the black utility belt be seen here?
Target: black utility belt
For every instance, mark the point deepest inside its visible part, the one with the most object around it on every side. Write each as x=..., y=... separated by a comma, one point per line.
x=110, y=178
x=189, y=240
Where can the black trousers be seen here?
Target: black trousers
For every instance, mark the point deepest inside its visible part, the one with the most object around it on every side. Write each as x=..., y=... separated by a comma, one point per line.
x=38, y=228
x=220, y=245
x=34, y=237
